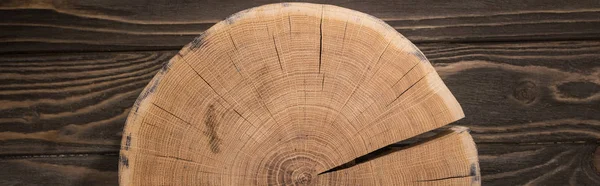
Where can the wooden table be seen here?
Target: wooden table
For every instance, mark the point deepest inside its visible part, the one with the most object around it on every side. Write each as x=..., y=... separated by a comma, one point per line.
x=527, y=74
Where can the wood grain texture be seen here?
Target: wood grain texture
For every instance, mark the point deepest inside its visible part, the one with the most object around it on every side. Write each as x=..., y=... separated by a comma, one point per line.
x=285, y=92
x=62, y=110
x=132, y=25
x=554, y=164
x=61, y=115
x=560, y=164
x=74, y=169
x=566, y=111
x=70, y=103
x=524, y=92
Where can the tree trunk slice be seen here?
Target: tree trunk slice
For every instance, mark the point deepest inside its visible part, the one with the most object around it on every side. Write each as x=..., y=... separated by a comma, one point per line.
x=281, y=94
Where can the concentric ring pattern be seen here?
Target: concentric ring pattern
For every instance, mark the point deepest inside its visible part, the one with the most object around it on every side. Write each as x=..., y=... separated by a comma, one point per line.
x=277, y=94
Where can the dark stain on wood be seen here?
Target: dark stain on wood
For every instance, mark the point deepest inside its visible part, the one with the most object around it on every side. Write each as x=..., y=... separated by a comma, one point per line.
x=152, y=87
x=124, y=161
x=128, y=142
x=421, y=57
x=198, y=42
x=473, y=170
x=234, y=17
x=417, y=53
x=211, y=123
x=153, y=83
x=166, y=67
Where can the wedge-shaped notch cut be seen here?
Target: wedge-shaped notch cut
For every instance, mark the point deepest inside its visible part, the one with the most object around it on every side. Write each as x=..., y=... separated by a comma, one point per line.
x=449, y=158
x=282, y=94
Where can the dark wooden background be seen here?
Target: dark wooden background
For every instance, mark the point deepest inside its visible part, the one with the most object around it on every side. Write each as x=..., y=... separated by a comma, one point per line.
x=527, y=73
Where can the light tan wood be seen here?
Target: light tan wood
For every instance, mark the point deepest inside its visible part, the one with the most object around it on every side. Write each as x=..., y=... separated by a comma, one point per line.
x=279, y=93
x=449, y=158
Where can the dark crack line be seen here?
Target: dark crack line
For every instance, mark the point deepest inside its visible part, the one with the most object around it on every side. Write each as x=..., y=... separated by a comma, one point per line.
x=175, y=158
x=391, y=148
x=407, y=89
x=445, y=178
x=197, y=73
x=233, y=42
x=321, y=39
x=172, y=114
x=409, y=70
x=277, y=52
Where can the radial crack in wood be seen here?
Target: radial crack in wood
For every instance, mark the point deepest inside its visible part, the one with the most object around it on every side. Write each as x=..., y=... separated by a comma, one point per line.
x=279, y=93
x=419, y=164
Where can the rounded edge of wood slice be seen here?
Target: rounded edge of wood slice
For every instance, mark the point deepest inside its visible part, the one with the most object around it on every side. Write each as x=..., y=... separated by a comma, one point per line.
x=278, y=94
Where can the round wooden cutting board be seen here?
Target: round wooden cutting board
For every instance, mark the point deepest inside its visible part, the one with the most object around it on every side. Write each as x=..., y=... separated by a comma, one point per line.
x=296, y=94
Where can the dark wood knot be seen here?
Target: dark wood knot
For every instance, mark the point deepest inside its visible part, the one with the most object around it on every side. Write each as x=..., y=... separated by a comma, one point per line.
x=525, y=92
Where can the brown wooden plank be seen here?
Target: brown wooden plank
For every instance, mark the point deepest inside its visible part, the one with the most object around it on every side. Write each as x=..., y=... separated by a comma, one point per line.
x=524, y=92
x=76, y=169
x=501, y=164
x=554, y=164
x=517, y=93
x=88, y=25
x=72, y=102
